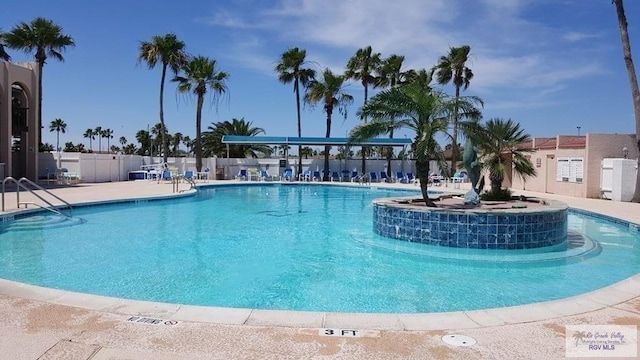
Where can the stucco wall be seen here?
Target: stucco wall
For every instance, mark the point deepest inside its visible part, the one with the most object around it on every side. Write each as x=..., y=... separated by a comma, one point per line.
x=545, y=162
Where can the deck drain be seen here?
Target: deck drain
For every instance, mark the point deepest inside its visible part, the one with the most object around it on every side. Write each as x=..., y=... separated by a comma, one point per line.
x=458, y=340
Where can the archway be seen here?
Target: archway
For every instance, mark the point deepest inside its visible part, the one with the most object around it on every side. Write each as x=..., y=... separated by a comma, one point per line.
x=20, y=146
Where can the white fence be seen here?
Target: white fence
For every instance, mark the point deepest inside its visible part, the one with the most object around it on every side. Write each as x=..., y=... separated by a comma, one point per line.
x=94, y=168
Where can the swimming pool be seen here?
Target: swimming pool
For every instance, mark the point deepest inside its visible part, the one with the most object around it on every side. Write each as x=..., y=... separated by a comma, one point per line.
x=293, y=247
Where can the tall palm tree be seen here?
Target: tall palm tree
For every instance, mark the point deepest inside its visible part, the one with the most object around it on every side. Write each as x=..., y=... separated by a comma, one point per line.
x=169, y=51
x=390, y=74
x=633, y=81
x=176, y=140
x=107, y=134
x=123, y=141
x=91, y=135
x=47, y=39
x=4, y=56
x=289, y=70
x=452, y=68
x=59, y=126
x=143, y=137
x=412, y=108
x=188, y=143
x=98, y=133
x=330, y=92
x=497, y=141
x=200, y=76
x=363, y=66
x=212, y=140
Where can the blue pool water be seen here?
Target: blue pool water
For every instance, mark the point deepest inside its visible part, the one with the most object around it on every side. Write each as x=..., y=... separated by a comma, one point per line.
x=294, y=247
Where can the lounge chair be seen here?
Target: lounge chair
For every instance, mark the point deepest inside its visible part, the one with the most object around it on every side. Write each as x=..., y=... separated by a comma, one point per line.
x=401, y=178
x=305, y=176
x=264, y=176
x=287, y=175
x=253, y=174
x=242, y=175
x=411, y=178
x=354, y=176
x=316, y=176
x=335, y=176
x=188, y=175
x=346, y=175
x=204, y=174
x=384, y=177
x=373, y=176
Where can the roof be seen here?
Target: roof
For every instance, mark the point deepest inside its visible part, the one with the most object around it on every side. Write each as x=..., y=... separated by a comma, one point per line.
x=285, y=140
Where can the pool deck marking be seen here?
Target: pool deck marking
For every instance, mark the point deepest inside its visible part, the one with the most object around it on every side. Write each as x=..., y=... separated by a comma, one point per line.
x=28, y=335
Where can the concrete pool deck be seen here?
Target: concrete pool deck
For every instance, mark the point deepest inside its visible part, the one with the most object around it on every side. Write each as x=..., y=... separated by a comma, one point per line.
x=51, y=324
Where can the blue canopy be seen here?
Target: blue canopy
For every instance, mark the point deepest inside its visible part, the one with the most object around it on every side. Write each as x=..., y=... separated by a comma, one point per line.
x=285, y=140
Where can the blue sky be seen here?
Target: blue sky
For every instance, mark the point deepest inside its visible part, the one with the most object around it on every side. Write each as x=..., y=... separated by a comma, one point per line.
x=552, y=65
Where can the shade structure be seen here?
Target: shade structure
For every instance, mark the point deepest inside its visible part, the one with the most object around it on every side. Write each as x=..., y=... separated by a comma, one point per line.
x=318, y=141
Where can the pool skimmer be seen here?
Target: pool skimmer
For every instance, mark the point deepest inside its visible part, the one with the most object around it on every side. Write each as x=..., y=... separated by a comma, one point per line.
x=458, y=340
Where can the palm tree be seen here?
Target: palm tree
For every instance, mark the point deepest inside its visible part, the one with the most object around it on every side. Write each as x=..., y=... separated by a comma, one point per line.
x=425, y=113
x=47, y=39
x=91, y=135
x=201, y=75
x=169, y=51
x=143, y=137
x=361, y=67
x=58, y=125
x=497, y=141
x=188, y=143
x=212, y=140
x=123, y=141
x=176, y=140
x=452, y=68
x=108, y=134
x=306, y=152
x=4, y=56
x=289, y=70
x=633, y=80
x=329, y=90
x=98, y=132
x=390, y=74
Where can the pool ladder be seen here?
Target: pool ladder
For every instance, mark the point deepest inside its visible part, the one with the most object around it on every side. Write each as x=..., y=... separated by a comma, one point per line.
x=21, y=184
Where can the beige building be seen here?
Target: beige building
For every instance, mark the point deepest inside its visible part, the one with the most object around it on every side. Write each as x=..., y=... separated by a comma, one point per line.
x=572, y=165
x=19, y=140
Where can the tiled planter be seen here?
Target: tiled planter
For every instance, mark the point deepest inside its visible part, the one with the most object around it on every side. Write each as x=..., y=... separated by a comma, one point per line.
x=478, y=229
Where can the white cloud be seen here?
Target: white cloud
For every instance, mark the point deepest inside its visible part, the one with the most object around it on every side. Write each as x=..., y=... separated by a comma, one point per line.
x=509, y=51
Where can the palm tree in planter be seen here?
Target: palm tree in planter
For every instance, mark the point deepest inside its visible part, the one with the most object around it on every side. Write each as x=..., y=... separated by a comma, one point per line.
x=48, y=41
x=200, y=76
x=425, y=113
x=498, y=142
x=330, y=92
x=59, y=126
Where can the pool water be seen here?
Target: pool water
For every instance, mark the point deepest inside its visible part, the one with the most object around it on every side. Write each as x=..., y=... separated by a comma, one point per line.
x=290, y=247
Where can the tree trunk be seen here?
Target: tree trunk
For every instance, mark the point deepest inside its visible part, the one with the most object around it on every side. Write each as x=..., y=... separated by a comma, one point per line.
x=325, y=175
x=364, y=119
x=633, y=80
x=454, y=145
x=198, y=145
x=422, y=173
x=296, y=86
x=165, y=147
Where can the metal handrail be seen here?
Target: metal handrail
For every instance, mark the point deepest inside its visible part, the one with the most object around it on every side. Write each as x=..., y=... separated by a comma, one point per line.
x=20, y=185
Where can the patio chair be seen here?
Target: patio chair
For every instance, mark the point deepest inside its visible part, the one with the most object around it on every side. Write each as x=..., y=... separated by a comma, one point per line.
x=287, y=175
x=346, y=175
x=316, y=176
x=354, y=176
x=188, y=175
x=335, y=176
x=264, y=176
x=401, y=178
x=384, y=177
x=204, y=174
x=305, y=176
x=242, y=175
x=373, y=176
x=410, y=178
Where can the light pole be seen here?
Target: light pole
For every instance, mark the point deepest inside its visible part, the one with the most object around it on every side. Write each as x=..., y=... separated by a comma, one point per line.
x=578, y=130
